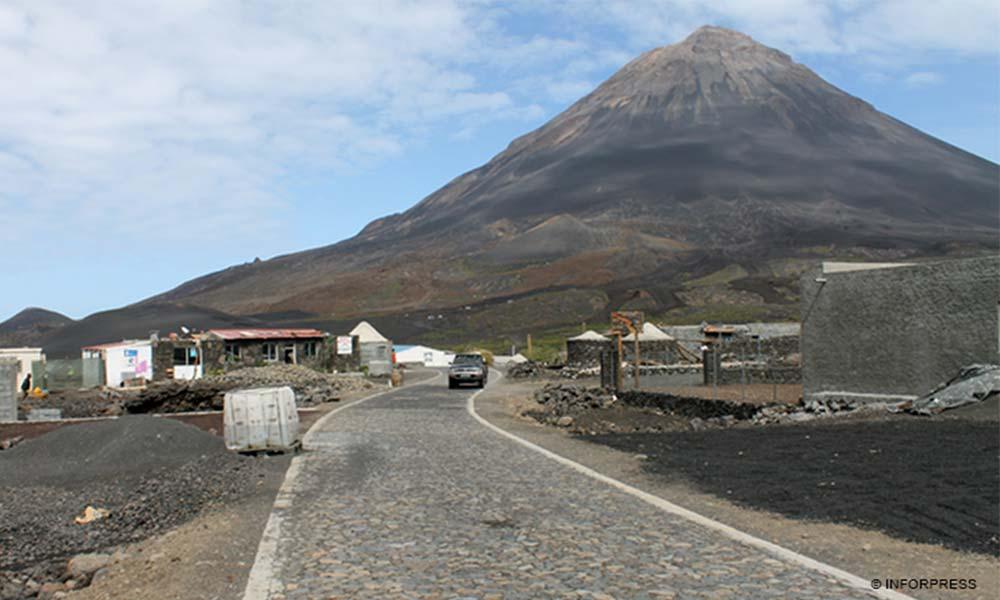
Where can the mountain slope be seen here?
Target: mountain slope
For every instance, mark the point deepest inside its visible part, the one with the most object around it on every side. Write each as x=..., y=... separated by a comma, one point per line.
x=695, y=157
x=30, y=326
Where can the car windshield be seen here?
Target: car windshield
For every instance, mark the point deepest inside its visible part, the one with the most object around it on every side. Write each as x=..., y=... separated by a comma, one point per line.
x=468, y=359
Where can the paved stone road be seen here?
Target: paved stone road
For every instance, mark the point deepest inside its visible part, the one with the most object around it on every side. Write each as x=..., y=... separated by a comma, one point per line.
x=407, y=496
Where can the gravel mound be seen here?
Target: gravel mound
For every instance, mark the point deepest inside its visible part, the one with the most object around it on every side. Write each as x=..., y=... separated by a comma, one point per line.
x=150, y=474
x=126, y=447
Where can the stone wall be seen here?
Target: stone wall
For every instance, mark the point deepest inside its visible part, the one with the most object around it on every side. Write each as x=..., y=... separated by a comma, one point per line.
x=661, y=351
x=771, y=349
x=748, y=372
x=214, y=359
x=897, y=332
x=584, y=354
x=342, y=363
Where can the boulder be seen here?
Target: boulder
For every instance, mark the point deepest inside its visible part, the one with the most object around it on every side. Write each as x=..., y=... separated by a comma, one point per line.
x=83, y=566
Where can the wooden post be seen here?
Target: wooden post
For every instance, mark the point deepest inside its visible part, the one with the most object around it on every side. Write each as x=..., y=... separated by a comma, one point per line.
x=618, y=363
x=637, y=360
x=531, y=354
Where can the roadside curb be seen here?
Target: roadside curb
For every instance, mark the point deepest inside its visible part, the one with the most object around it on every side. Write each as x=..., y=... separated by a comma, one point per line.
x=851, y=580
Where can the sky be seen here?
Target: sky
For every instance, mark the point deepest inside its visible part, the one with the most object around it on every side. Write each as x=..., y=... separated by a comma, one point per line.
x=143, y=144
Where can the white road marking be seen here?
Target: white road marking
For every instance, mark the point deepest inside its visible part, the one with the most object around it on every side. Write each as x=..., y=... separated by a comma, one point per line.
x=262, y=582
x=858, y=583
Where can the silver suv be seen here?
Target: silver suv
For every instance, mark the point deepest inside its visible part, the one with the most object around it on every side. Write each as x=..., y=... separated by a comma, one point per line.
x=468, y=368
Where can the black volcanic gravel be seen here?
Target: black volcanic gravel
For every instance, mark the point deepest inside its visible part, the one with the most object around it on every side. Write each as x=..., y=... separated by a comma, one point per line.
x=151, y=473
x=926, y=480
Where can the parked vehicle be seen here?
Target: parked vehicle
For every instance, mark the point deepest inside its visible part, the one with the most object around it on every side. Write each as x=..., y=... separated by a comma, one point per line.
x=468, y=368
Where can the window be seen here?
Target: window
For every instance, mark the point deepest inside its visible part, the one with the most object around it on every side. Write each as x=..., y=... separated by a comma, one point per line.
x=269, y=351
x=309, y=349
x=185, y=355
x=232, y=352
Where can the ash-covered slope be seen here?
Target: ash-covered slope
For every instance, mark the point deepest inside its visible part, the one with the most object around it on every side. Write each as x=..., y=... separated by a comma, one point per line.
x=30, y=326
x=713, y=151
x=711, y=124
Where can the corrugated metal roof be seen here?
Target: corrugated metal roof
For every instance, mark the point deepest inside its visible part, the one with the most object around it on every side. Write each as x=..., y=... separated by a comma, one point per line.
x=266, y=334
x=719, y=329
x=107, y=345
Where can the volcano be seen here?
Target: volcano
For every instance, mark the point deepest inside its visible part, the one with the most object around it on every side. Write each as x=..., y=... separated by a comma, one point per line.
x=702, y=176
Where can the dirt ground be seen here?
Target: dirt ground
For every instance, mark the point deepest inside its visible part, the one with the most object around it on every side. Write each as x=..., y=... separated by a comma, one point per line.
x=862, y=549
x=210, y=557
x=754, y=393
x=922, y=480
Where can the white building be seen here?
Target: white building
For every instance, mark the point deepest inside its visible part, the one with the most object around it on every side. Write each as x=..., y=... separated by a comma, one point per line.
x=429, y=357
x=123, y=361
x=24, y=358
x=376, y=349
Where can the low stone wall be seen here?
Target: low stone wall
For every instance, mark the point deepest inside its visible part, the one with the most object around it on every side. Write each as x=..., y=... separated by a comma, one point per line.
x=661, y=351
x=688, y=407
x=780, y=375
x=772, y=349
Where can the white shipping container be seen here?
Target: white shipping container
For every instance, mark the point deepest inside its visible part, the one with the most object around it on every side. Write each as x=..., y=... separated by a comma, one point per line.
x=261, y=419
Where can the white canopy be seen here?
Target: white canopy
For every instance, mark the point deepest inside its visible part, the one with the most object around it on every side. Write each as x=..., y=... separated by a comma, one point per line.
x=590, y=336
x=650, y=333
x=367, y=333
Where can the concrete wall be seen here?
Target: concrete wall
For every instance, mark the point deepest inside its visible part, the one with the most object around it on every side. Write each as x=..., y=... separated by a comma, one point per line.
x=127, y=362
x=897, y=331
x=8, y=389
x=25, y=357
x=93, y=372
x=377, y=356
x=57, y=374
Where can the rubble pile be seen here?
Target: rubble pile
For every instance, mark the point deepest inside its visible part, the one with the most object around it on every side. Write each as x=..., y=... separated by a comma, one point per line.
x=208, y=393
x=814, y=409
x=579, y=372
x=523, y=370
x=89, y=487
x=564, y=399
x=72, y=404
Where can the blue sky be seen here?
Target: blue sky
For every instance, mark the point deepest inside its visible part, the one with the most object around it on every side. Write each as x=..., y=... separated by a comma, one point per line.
x=142, y=146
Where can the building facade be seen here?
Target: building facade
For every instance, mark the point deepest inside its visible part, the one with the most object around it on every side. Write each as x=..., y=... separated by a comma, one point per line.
x=892, y=332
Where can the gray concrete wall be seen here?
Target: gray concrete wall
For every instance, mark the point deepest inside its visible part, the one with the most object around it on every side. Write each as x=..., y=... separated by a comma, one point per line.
x=8, y=390
x=898, y=331
x=377, y=356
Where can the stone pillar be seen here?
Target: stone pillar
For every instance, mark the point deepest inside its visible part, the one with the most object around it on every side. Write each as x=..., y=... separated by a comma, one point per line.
x=710, y=361
x=8, y=390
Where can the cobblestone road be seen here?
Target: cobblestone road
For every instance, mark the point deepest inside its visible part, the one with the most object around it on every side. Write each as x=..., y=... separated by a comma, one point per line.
x=407, y=496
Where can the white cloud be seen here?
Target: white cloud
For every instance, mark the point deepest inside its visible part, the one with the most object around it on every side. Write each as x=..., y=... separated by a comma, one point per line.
x=922, y=79
x=118, y=119
x=891, y=30
x=181, y=115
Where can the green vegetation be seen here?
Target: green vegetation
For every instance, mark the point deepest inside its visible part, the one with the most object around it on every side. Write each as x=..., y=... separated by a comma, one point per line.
x=720, y=277
x=727, y=313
